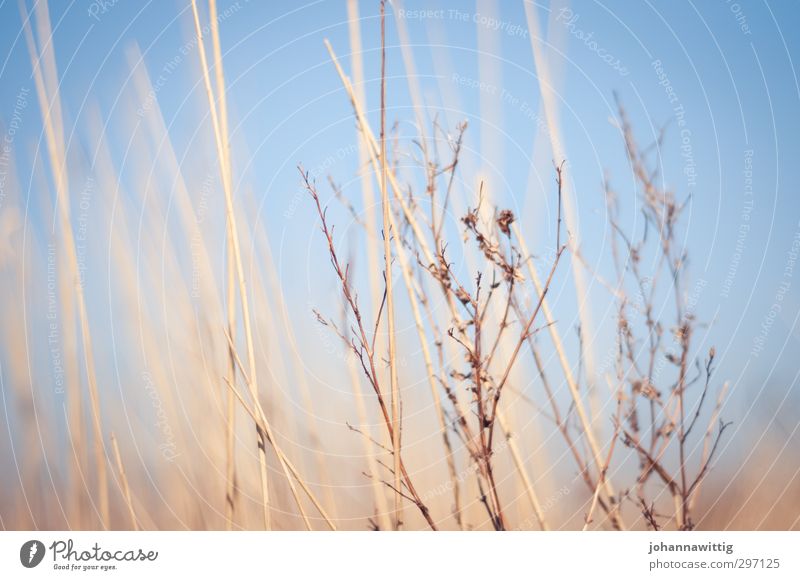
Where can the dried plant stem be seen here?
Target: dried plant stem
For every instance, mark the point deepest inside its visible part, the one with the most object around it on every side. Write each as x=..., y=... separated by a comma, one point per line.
x=526, y=332
x=484, y=419
x=262, y=243
x=230, y=293
x=289, y=468
x=230, y=403
x=411, y=75
x=375, y=156
x=707, y=440
x=520, y=466
x=264, y=429
x=367, y=192
x=364, y=125
x=50, y=108
x=381, y=507
x=571, y=385
x=550, y=107
x=617, y=427
x=126, y=490
x=387, y=257
x=366, y=347
x=408, y=278
x=234, y=239
x=370, y=224
x=560, y=423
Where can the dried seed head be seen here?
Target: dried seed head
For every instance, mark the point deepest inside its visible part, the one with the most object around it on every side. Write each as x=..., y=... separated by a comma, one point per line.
x=647, y=389
x=463, y=296
x=471, y=219
x=505, y=220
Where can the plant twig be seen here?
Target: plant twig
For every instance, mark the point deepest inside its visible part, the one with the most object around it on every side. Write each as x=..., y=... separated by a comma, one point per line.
x=126, y=490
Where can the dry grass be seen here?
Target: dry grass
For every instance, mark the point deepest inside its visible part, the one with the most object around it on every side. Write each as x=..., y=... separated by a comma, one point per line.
x=481, y=331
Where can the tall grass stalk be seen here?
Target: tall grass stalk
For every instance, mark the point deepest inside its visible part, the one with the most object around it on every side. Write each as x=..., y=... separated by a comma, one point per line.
x=234, y=243
x=387, y=261
x=548, y=101
x=126, y=490
x=50, y=105
x=373, y=261
x=230, y=292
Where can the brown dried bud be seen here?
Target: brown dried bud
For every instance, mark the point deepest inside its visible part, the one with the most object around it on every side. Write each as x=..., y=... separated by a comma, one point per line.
x=505, y=220
x=471, y=219
x=463, y=296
